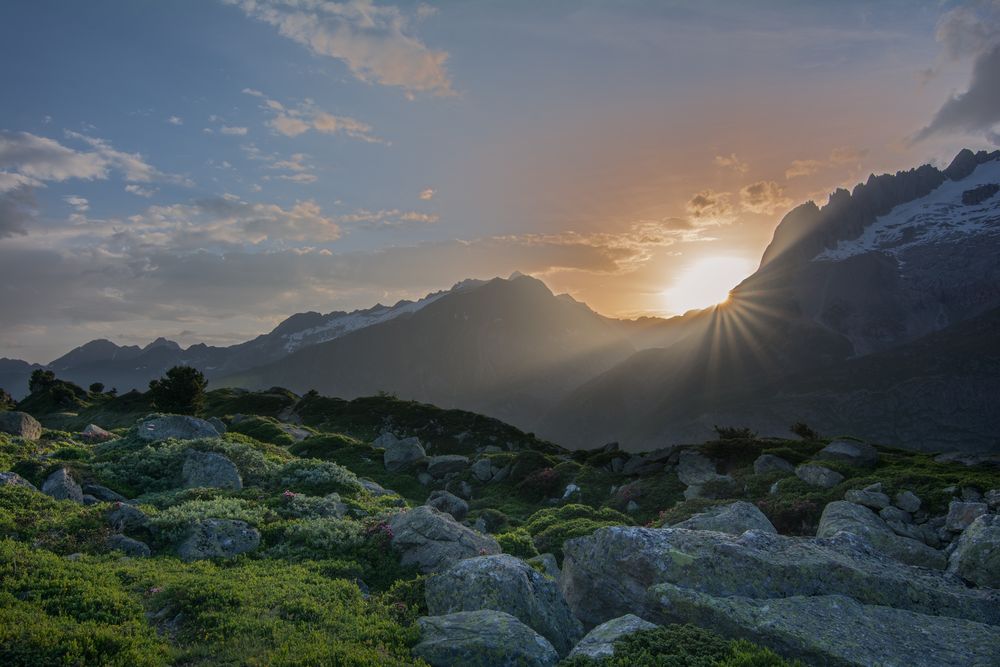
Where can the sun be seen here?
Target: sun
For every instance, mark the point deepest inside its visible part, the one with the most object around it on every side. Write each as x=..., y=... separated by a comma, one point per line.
x=706, y=282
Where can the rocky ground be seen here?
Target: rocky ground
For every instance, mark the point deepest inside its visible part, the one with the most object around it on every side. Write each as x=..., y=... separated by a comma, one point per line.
x=289, y=530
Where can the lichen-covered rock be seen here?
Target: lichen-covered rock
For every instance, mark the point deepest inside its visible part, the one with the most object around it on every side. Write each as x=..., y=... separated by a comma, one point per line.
x=21, y=424
x=210, y=470
x=841, y=515
x=400, y=454
x=13, y=479
x=482, y=470
x=976, y=557
x=907, y=501
x=600, y=642
x=218, y=425
x=606, y=574
x=835, y=629
x=735, y=518
x=127, y=518
x=769, y=463
x=103, y=493
x=94, y=433
x=962, y=514
x=439, y=466
x=547, y=563
x=61, y=486
x=218, y=538
x=696, y=469
x=449, y=503
x=851, y=452
x=433, y=541
x=178, y=427
x=483, y=638
x=820, y=476
x=876, y=500
x=376, y=489
x=505, y=583
x=128, y=546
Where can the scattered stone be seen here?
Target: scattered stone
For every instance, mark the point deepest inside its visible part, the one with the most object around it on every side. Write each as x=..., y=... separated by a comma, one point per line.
x=599, y=643
x=103, y=493
x=861, y=521
x=482, y=638
x=425, y=479
x=696, y=469
x=890, y=513
x=992, y=499
x=508, y=584
x=632, y=507
x=401, y=454
x=129, y=547
x=735, y=518
x=218, y=425
x=820, y=476
x=482, y=470
x=769, y=463
x=94, y=433
x=210, y=470
x=640, y=465
x=439, y=466
x=460, y=488
x=571, y=489
x=218, y=538
x=548, y=563
x=21, y=424
x=449, y=503
x=960, y=514
x=976, y=557
x=503, y=473
x=61, y=486
x=375, y=488
x=606, y=574
x=177, y=427
x=971, y=494
x=835, y=629
x=876, y=500
x=89, y=499
x=617, y=464
x=850, y=452
x=127, y=518
x=907, y=501
x=13, y=479
x=433, y=541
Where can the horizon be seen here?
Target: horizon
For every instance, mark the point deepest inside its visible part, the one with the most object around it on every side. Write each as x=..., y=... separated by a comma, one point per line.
x=263, y=160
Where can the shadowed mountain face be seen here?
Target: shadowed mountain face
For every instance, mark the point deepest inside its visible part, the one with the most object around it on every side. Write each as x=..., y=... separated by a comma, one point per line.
x=849, y=286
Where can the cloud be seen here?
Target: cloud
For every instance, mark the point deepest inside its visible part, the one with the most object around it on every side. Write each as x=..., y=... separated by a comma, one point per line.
x=975, y=110
x=732, y=162
x=17, y=211
x=236, y=131
x=764, y=197
x=969, y=30
x=293, y=121
x=175, y=120
x=838, y=156
x=374, y=41
x=710, y=207
x=79, y=204
x=43, y=159
x=427, y=194
x=140, y=191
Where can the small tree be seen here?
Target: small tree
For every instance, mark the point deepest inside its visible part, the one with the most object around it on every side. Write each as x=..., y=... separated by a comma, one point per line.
x=802, y=430
x=97, y=388
x=40, y=380
x=181, y=391
x=6, y=401
x=734, y=433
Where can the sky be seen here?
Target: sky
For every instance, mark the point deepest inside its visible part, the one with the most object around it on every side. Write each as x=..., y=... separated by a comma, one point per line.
x=201, y=169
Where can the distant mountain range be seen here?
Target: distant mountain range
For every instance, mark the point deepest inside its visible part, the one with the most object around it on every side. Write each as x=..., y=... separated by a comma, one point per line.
x=876, y=315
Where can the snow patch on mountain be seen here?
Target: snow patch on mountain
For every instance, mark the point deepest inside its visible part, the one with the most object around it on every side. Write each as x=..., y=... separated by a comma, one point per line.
x=939, y=217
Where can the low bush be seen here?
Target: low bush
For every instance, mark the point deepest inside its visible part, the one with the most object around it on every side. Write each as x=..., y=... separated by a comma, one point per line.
x=517, y=543
x=550, y=527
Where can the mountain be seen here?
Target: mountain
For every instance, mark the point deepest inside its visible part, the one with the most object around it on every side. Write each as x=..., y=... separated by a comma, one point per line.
x=905, y=264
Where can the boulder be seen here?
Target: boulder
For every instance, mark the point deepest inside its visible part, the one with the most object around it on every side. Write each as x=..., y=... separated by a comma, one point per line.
x=599, y=643
x=296, y=433
x=61, y=486
x=850, y=452
x=895, y=515
x=94, y=433
x=482, y=638
x=178, y=427
x=861, y=521
x=641, y=465
x=218, y=538
x=439, y=466
x=820, y=476
x=976, y=557
x=127, y=518
x=873, y=499
x=769, y=463
x=992, y=499
x=20, y=424
x=103, y=493
x=129, y=547
x=401, y=454
x=482, y=470
x=960, y=514
x=13, y=479
x=907, y=501
x=508, y=584
x=695, y=469
x=448, y=503
x=210, y=470
x=606, y=574
x=376, y=489
x=547, y=564
x=734, y=518
x=433, y=541
x=218, y=425
x=834, y=629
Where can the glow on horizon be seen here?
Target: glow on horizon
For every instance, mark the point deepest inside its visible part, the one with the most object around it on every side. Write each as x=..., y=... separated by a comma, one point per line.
x=705, y=283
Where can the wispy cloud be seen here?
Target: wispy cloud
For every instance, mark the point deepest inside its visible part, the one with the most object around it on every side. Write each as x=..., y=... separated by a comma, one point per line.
x=838, y=157
x=732, y=162
x=175, y=120
x=374, y=41
x=292, y=121
x=710, y=207
x=427, y=194
x=233, y=130
x=764, y=197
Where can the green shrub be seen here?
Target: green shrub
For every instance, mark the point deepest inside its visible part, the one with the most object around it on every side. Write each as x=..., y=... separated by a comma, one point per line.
x=551, y=527
x=517, y=543
x=180, y=391
x=265, y=429
x=61, y=526
x=315, y=476
x=173, y=523
x=301, y=506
